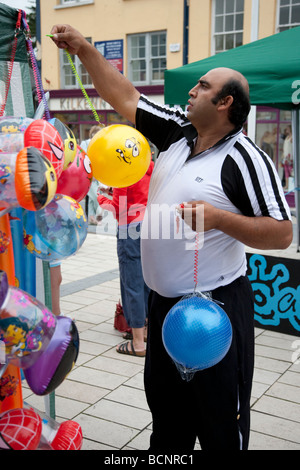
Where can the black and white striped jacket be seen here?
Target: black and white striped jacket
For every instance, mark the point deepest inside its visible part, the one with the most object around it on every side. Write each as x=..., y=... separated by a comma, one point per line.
x=234, y=175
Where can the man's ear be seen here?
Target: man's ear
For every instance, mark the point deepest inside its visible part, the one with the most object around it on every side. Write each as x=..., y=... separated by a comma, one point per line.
x=225, y=102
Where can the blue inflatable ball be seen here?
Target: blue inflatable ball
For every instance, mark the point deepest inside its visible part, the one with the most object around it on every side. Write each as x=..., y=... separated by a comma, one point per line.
x=57, y=231
x=196, y=333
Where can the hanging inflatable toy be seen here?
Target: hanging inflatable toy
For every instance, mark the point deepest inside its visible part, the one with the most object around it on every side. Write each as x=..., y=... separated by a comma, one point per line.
x=20, y=429
x=10, y=375
x=44, y=137
x=196, y=333
x=120, y=155
x=57, y=361
x=29, y=429
x=66, y=435
x=27, y=179
x=57, y=231
x=44, y=346
x=35, y=179
x=25, y=264
x=8, y=197
x=68, y=137
x=12, y=133
x=76, y=180
x=26, y=325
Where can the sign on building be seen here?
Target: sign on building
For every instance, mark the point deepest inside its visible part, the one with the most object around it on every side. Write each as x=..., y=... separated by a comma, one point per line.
x=112, y=51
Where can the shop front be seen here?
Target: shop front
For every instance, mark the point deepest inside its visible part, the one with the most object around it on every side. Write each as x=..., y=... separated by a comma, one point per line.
x=274, y=136
x=72, y=108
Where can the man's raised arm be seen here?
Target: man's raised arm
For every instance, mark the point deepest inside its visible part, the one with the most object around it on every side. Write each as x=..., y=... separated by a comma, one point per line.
x=110, y=84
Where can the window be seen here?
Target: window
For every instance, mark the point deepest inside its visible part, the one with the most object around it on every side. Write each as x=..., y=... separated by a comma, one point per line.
x=68, y=77
x=289, y=14
x=228, y=19
x=147, y=58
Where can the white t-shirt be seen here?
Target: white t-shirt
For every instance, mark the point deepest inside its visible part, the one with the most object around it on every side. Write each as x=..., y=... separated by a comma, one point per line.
x=233, y=175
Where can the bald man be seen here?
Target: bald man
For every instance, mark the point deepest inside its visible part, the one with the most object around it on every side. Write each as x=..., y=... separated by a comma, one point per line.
x=212, y=191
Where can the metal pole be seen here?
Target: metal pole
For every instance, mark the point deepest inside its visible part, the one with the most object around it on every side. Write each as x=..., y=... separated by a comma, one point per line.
x=251, y=129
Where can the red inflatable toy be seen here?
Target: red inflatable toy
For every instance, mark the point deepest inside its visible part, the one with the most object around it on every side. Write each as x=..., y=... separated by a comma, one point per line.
x=76, y=180
x=20, y=429
x=43, y=136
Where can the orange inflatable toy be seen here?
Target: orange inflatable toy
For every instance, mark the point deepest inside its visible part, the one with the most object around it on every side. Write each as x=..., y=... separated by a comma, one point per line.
x=35, y=179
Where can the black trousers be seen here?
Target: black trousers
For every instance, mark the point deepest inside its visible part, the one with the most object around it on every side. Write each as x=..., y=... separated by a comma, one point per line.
x=215, y=405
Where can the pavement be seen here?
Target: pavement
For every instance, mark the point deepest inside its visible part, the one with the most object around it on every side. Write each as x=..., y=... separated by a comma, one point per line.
x=104, y=392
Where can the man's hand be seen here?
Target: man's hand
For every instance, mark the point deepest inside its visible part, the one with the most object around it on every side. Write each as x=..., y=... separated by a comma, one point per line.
x=111, y=85
x=66, y=37
x=263, y=233
x=199, y=215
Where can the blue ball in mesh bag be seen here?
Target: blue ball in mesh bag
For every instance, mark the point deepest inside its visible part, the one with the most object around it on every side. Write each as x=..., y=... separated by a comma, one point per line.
x=196, y=333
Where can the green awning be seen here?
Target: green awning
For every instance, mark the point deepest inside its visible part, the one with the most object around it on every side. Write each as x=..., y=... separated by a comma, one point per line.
x=271, y=66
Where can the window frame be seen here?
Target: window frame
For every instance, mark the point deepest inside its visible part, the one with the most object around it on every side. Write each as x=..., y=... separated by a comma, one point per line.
x=148, y=58
x=288, y=25
x=225, y=33
x=63, y=60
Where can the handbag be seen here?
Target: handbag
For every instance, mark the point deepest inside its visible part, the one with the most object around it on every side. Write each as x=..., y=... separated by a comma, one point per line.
x=120, y=322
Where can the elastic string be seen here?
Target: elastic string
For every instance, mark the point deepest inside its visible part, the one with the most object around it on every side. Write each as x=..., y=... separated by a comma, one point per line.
x=36, y=74
x=196, y=259
x=82, y=88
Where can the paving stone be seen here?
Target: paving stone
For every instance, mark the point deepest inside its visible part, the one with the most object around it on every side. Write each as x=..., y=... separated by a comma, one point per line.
x=278, y=407
x=106, y=432
x=129, y=396
x=81, y=391
x=276, y=427
x=97, y=377
x=120, y=413
x=113, y=365
x=285, y=392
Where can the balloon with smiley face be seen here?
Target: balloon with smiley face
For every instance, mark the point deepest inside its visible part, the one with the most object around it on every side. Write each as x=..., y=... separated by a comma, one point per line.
x=120, y=155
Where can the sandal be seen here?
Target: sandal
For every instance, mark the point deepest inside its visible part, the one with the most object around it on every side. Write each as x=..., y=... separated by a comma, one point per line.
x=123, y=349
x=129, y=336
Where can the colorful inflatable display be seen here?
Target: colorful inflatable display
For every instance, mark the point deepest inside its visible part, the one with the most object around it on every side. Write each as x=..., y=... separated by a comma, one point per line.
x=33, y=155
x=44, y=137
x=26, y=325
x=12, y=133
x=29, y=429
x=76, y=180
x=44, y=346
x=51, y=368
x=69, y=140
x=56, y=231
x=20, y=429
x=35, y=179
x=27, y=179
x=120, y=155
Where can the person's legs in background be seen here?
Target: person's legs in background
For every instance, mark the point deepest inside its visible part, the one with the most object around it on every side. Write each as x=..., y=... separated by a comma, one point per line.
x=134, y=293
x=56, y=280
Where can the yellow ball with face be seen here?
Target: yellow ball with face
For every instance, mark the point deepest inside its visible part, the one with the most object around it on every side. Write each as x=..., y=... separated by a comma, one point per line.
x=120, y=155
